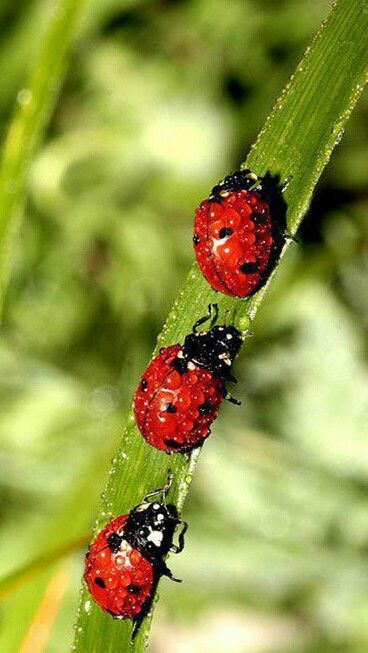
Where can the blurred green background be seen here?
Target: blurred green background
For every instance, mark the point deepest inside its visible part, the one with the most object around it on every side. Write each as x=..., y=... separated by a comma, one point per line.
x=162, y=99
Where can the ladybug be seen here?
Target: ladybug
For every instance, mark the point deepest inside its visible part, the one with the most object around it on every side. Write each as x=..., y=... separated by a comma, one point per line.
x=180, y=392
x=126, y=560
x=239, y=232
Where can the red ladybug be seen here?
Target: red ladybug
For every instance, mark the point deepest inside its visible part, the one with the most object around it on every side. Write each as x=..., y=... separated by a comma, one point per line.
x=239, y=232
x=180, y=393
x=126, y=560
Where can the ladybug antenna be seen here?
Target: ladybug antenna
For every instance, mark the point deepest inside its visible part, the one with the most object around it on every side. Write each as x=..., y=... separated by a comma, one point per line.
x=163, y=491
x=213, y=310
x=235, y=310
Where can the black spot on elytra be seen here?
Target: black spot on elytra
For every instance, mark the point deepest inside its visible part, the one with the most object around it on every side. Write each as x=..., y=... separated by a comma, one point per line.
x=225, y=231
x=100, y=582
x=170, y=408
x=134, y=589
x=196, y=239
x=249, y=268
x=206, y=408
x=173, y=444
x=144, y=384
x=259, y=218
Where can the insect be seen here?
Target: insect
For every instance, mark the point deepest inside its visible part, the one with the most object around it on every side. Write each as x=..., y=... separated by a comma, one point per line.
x=126, y=560
x=239, y=232
x=180, y=392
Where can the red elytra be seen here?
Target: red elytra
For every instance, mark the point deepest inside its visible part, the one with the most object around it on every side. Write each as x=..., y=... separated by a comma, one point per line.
x=174, y=411
x=239, y=233
x=120, y=582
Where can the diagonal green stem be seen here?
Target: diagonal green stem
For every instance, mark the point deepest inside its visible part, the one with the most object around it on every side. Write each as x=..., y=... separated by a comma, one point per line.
x=306, y=123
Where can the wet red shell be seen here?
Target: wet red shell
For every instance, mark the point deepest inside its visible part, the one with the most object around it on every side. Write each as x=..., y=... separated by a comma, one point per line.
x=119, y=582
x=161, y=385
x=254, y=244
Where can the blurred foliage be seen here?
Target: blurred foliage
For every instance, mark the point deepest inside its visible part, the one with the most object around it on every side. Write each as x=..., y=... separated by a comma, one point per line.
x=162, y=98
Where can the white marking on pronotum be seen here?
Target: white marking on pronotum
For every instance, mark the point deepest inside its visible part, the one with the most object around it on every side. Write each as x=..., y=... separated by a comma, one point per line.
x=155, y=537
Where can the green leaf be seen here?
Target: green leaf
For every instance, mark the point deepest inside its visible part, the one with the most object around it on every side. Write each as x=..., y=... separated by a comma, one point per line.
x=35, y=104
x=305, y=125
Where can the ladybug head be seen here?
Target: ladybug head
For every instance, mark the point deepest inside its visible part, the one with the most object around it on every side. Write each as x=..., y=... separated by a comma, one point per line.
x=238, y=180
x=214, y=349
x=151, y=525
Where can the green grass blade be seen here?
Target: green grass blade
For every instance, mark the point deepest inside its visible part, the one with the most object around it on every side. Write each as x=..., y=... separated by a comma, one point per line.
x=35, y=104
x=306, y=123
x=18, y=578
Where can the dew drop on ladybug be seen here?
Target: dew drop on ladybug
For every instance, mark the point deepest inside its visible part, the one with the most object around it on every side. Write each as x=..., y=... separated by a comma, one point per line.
x=181, y=391
x=239, y=233
x=126, y=559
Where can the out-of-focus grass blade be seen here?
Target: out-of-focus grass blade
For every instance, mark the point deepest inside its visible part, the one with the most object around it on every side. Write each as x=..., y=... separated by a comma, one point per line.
x=67, y=527
x=16, y=579
x=35, y=103
x=298, y=138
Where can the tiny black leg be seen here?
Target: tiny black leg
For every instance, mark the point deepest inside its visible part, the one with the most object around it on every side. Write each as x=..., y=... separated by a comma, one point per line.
x=165, y=571
x=178, y=548
x=232, y=400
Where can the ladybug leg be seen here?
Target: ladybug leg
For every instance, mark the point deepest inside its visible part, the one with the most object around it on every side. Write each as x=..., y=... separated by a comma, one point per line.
x=226, y=394
x=178, y=548
x=231, y=399
x=165, y=571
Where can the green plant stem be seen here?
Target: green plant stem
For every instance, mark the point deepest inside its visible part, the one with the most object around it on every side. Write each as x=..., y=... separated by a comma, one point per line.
x=306, y=123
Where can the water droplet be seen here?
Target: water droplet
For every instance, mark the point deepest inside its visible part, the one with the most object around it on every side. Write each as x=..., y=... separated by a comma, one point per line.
x=24, y=96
